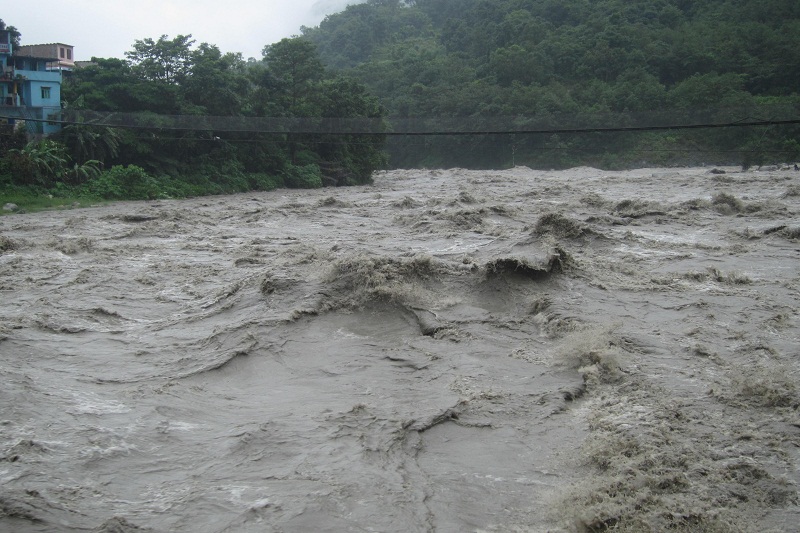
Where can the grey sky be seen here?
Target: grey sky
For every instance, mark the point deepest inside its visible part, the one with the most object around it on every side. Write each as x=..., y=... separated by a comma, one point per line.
x=108, y=28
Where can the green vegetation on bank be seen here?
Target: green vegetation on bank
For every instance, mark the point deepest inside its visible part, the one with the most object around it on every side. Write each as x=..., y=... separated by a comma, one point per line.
x=580, y=63
x=175, y=77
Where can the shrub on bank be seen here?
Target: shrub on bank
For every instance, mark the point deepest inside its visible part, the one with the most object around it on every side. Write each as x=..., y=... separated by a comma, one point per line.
x=124, y=182
x=264, y=182
x=132, y=182
x=303, y=177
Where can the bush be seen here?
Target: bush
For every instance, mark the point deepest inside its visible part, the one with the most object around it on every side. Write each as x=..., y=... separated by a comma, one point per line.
x=40, y=163
x=303, y=177
x=306, y=157
x=232, y=182
x=130, y=183
x=104, y=186
x=62, y=190
x=264, y=182
x=5, y=173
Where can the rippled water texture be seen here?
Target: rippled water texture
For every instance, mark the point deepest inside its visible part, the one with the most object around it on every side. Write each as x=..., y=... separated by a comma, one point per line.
x=441, y=351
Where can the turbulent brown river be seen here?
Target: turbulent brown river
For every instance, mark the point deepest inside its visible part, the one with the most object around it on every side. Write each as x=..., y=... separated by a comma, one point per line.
x=446, y=351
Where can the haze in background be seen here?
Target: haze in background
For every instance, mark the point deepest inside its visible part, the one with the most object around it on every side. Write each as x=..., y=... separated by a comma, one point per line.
x=109, y=28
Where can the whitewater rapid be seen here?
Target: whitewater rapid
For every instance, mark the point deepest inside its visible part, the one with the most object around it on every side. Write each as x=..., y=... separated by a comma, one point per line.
x=453, y=350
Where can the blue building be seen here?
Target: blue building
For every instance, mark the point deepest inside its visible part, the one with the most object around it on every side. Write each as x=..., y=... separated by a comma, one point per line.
x=30, y=89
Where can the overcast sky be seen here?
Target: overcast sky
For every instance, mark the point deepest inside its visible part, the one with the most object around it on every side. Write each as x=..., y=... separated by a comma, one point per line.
x=108, y=28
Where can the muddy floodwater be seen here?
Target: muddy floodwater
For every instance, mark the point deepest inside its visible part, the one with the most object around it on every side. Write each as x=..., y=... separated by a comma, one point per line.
x=446, y=351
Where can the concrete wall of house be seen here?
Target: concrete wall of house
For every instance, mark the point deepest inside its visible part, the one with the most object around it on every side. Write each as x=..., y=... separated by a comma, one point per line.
x=6, y=48
x=36, y=81
x=38, y=50
x=43, y=93
x=34, y=64
x=33, y=81
x=47, y=102
x=5, y=42
x=60, y=52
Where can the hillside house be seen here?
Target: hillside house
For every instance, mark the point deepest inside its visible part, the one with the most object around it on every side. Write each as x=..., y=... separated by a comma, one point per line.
x=30, y=84
x=63, y=53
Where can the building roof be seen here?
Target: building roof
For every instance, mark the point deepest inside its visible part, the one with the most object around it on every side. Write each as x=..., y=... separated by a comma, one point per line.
x=35, y=51
x=41, y=58
x=46, y=44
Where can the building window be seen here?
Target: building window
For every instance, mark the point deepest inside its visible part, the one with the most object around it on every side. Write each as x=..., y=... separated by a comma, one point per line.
x=61, y=50
x=45, y=93
x=69, y=54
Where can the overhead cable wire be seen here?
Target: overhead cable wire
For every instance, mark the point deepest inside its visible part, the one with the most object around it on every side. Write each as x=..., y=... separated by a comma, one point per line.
x=424, y=126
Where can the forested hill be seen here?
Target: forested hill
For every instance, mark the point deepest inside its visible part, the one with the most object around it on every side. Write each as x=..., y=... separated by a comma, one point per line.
x=575, y=58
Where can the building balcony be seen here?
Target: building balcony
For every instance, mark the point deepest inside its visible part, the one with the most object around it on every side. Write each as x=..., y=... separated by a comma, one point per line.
x=37, y=75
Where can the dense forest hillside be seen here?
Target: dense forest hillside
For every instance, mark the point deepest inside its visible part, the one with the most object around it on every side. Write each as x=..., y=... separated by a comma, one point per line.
x=576, y=61
x=493, y=83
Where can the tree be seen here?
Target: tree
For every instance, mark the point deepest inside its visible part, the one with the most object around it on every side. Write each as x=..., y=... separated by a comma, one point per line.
x=164, y=60
x=113, y=85
x=351, y=159
x=15, y=34
x=515, y=63
x=216, y=83
x=86, y=142
x=42, y=163
x=709, y=90
x=295, y=67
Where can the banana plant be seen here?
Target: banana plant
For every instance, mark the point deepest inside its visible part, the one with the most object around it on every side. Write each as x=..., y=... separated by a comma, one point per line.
x=81, y=173
x=40, y=163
